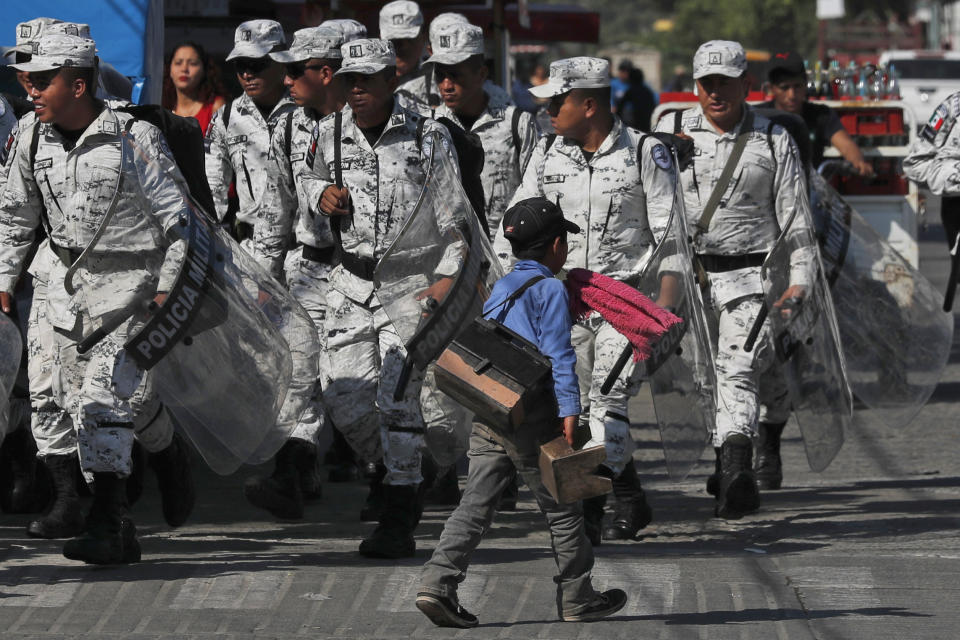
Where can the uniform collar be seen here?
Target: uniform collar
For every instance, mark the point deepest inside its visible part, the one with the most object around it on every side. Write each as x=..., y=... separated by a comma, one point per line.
x=398, y=118
x=245, y=104
x=106, y=124
x=491, y=113
x=700, y=123
x=572, y=149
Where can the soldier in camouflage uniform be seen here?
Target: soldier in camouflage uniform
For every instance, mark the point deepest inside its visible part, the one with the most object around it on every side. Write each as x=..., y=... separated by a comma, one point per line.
x=620, y=191
x=382, y=164
x=401, y=22
x=51, y=425
x=756, y=205
x=311, y=62
x=497, y=93
x=68, y=187
x=508, y=137
x=934, y=160
x=238, y=140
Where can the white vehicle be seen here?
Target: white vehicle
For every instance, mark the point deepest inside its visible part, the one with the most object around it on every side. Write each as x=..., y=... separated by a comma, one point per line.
x=926, y=78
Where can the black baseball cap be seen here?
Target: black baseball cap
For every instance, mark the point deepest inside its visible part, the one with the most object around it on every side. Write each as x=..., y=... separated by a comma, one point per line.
x=787, y=63
x=534, y=221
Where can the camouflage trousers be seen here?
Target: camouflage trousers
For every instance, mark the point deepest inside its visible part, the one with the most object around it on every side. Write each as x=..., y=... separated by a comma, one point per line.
x=750, y=386
x=109, y=399
x=307, y=282
x=51, y=425
x=598, y=346
x=366, y=358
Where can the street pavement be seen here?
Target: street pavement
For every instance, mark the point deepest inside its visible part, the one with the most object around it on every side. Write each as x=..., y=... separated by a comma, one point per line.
x=867, y=549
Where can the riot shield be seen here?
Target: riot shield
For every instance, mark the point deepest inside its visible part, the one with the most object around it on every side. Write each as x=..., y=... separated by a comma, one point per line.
x=681, y=371
x=433, y=280
x=232, y=355
x=10, y=350
x=805, y=335
x=895, y=337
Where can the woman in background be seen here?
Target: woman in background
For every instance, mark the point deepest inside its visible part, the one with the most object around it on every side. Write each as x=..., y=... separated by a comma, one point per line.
x=191, y=84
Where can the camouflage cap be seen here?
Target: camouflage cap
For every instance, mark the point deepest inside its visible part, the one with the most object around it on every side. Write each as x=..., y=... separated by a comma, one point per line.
x=574, y=73
x=257, y=38
x=367, y=56
x=312, y=42
x=400, y=19
x=57, y=50
x=445, y=19
x=349, y=29
x=29, y=33
x=456, y=42
x=723, y=57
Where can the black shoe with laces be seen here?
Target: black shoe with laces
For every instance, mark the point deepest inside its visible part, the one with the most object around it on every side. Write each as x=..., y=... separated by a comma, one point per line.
x=444, y=612
x=603, y=605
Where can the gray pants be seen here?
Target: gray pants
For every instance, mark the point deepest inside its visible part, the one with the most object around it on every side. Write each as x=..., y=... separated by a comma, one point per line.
x=493, y=464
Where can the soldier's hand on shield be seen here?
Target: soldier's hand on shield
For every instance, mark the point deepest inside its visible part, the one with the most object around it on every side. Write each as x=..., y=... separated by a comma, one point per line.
x=790, y=300
x=569, y=426
x=435, y=292
x=335, y=201
x=5, y=305
x=863, y=168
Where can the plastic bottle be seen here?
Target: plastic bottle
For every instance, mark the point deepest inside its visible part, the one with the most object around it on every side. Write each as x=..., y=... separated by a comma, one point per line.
x=893, y=84
x=817, y=81
x=836, y=79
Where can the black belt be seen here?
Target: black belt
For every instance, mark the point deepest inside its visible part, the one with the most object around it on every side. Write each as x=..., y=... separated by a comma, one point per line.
x=730, y=263
x=358, y=265
x=314, y=254
x=67, y=256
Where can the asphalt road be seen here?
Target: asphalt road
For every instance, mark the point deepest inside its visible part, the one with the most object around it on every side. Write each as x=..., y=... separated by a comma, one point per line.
x=869, y=548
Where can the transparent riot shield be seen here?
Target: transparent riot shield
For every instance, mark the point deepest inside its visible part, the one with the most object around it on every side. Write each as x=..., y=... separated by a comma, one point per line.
x=433, y=281
x=232, y=355
x=895, y=337
x=681, y=371
x=10, y=350
x=805, y=336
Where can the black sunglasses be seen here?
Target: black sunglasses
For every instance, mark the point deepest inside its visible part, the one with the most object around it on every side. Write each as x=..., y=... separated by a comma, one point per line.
x=253, y=66
x=297, y=69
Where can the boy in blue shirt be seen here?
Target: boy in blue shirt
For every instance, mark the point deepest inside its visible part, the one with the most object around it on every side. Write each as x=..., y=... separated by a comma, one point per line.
x=537, y=232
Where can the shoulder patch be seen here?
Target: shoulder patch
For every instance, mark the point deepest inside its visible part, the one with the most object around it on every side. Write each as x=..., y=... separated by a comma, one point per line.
x=661, y=156
x=937, y=119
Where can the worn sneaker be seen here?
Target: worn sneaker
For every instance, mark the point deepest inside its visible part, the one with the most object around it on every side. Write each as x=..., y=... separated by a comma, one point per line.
x=603, y=605
x=444, y=612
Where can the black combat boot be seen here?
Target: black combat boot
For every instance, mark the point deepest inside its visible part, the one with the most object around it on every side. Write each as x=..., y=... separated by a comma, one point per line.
x=593, y=518
x=65, y=518
x=631, y=511
x=373, y=505
x=769, y=466
x=282, y=494
x=441, y=486
x=177, y=494
x=713, y=480
x=106, y=539
x=22, y=490
x=393, y=537
x=343, y=460
x=737, y=492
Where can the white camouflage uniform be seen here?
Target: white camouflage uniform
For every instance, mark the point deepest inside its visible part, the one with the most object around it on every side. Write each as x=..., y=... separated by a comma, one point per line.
x=622, y=207
x=934, y=157
x=50, y=424
x=291, y=214
x=104, y=392
x=759, y=200
x=366, y=353
x=241, y=149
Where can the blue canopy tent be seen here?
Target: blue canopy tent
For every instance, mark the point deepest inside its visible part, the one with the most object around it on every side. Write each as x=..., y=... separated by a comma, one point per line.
x=129, y=34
